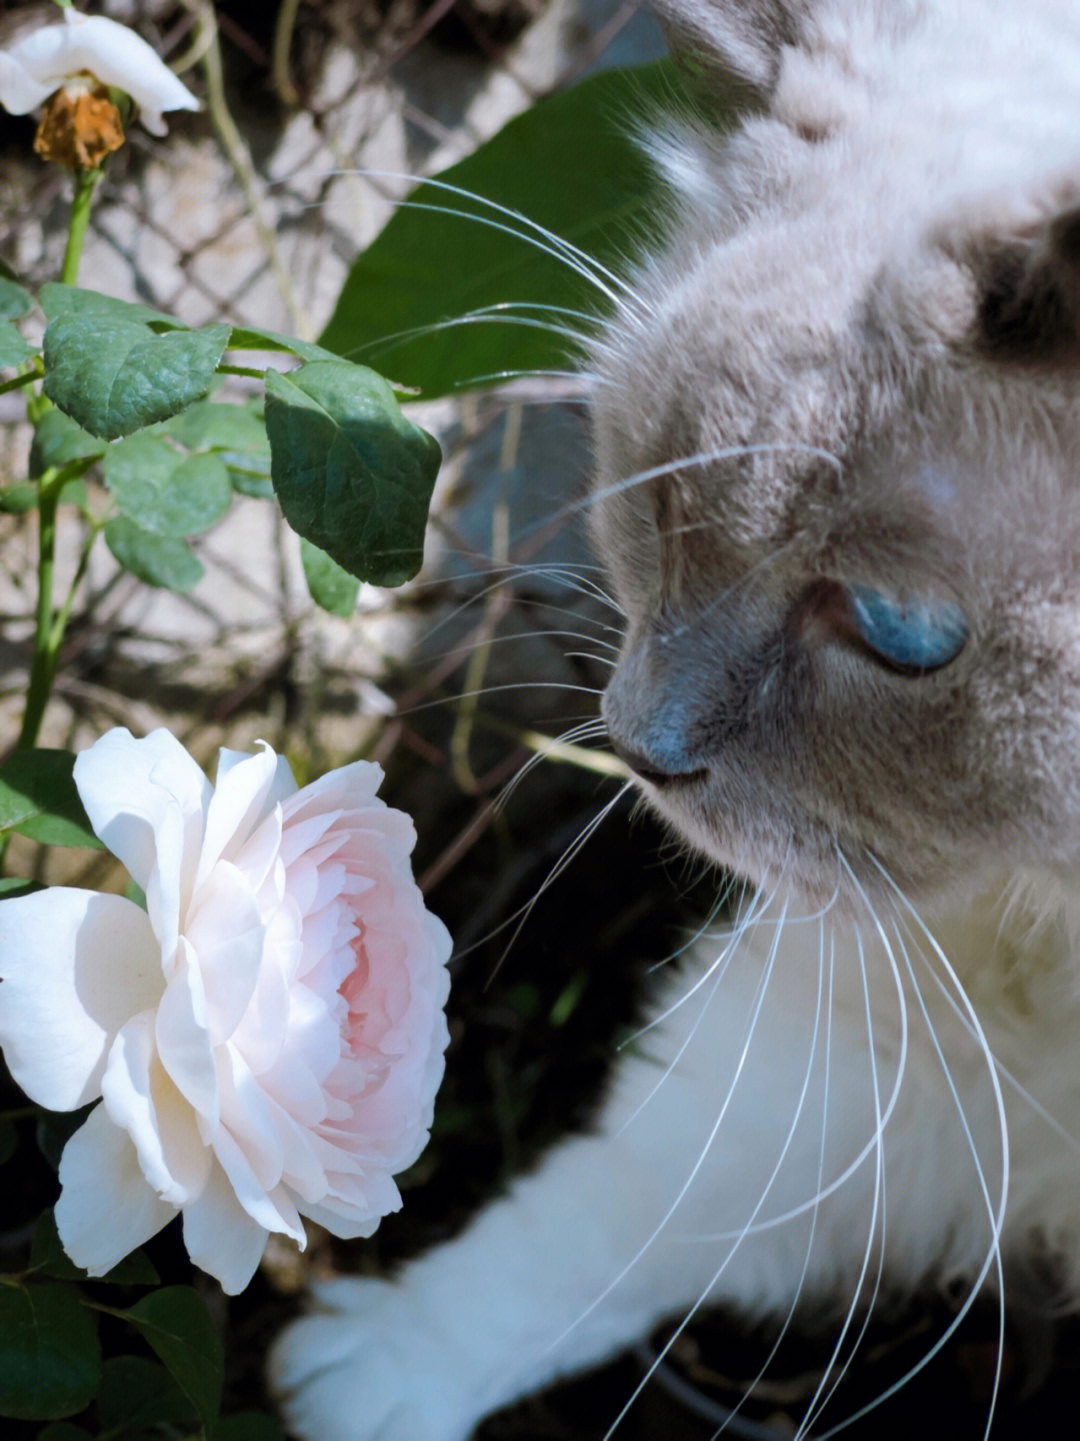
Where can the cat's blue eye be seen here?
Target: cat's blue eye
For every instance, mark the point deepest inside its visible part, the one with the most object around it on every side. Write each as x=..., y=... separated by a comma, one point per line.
x=911, y=634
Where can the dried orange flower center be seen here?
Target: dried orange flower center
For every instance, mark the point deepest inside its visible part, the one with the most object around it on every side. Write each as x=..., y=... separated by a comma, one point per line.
x=79, y=127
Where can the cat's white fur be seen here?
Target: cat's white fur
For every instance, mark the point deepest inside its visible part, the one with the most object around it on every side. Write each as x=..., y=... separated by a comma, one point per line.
x=822, y=1101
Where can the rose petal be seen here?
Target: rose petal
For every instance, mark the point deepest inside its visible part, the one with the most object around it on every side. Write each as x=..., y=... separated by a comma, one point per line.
x=346, y=788
x=225, y=932
x=107, y=1207
x=183, y=1039
x=240, y=802
x=75, y=966
x=146, y=799
x=273, y=1210
x=221, y=1237
x=142, y=1100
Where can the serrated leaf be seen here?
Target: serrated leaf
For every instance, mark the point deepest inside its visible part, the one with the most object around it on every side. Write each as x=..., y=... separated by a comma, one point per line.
x=176, y=1324
x=58, y=440
x=48, y=1256
x=136, y=1392
x=160, y=560
x=570, y=165
x=50, y=1360
x=57, y=299
x=14, y=349
x=352, y=474
x=38, y=799
x=331, y=587
x=116, y=378
x=14, y=299
x=165, y=491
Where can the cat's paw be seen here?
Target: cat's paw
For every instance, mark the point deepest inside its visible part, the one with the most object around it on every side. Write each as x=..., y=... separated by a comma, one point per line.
x=367, y=1367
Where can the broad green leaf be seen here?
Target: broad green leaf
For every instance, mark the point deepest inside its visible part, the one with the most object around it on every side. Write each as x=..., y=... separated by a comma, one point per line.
x=18, y=499
x=330, y=586
x=117, y=377
x=64, y=1431
x=57, y=300
x=161, y=560
x=58, y=440
x=165, y=491
x=176, y=1324
x=38, y=799
x=13, y=348
x=48, y=1256
x=213, y=425
x=136, y=1392
x=245, y=338
x=353, y=476
x=569, y=165
x=14, y=300
x=50, y=1360
x=17, y=886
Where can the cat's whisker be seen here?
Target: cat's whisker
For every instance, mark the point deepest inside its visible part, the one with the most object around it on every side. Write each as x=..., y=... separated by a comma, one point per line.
x=834, y=1371
x=592, y=729
x=485, y=315
x=688, y=1181
x=826, y=1017
x=741, y=1236
x=522, y=914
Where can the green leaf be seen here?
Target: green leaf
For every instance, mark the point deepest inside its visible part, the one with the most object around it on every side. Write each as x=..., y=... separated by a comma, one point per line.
x=14, y=300
x=48, y=1256
x=18, y=499
x=58, y=440
x=213, y=425
x=139, y=1392
x=17, y=886
x=330, y=586
x=64, y=1431
x=249, y=1426
x=58, y=300
x=176, y=1324
x=13, y=348
x=50, y=1360
x=165, y=491
x=245, y=338
x=38, y=799
x=116, y=378
x=569, y=164
x=160, y=560
x=353, y=476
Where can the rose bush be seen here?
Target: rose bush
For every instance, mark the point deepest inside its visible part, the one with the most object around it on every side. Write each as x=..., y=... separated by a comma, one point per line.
x=267, y=1036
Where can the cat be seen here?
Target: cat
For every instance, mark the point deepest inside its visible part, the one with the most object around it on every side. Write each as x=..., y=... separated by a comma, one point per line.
x=837, y=493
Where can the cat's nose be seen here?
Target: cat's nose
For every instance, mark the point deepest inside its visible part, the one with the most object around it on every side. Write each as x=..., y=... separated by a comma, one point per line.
x=657, y=770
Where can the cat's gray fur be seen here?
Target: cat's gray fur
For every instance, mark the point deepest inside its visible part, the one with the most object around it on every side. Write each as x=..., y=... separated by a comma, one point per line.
x=867, y=325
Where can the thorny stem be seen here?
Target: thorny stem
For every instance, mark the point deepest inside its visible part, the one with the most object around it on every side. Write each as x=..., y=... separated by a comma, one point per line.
x=86, y=182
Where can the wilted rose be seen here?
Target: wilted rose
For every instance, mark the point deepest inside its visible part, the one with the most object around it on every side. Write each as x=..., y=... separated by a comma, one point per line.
x=43, y=60
x=267, y=1036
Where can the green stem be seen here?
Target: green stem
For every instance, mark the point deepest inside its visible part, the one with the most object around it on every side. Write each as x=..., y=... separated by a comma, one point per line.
x=43, y=666
x=27, y=378
x=86, y=182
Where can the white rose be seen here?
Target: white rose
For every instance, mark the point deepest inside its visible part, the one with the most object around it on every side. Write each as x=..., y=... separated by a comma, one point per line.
x=43, y=60
x=267, y=1037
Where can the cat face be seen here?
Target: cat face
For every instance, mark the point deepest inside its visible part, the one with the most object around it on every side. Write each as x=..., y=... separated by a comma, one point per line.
x=838, y=492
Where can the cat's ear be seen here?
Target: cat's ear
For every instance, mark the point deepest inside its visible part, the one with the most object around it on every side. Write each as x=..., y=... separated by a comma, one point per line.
x=733, y=44
x=1000, y=277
